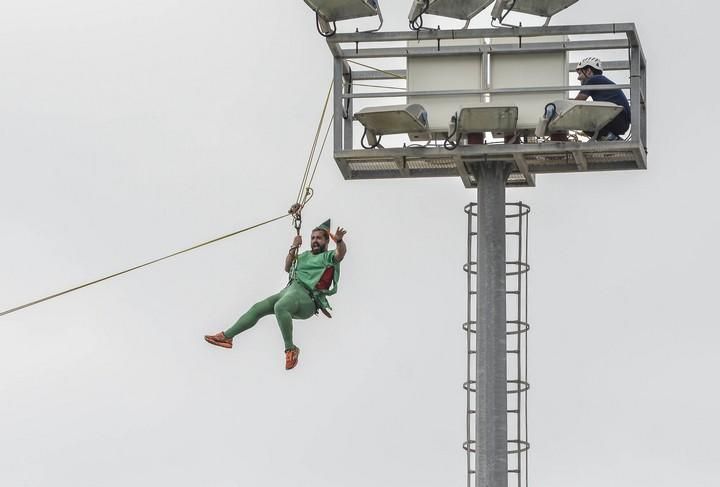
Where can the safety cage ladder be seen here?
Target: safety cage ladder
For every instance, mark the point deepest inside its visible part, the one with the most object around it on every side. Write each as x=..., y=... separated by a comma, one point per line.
x=516, y=237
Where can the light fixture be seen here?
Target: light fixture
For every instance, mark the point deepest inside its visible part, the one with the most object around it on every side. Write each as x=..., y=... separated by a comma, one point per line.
x=328, y=12
x=480, y=119
x=587, y=116
x=542, y=8
x=455, y=9
x=391, y=119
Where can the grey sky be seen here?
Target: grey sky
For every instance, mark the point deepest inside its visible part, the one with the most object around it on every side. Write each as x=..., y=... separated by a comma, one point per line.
x=130, y=130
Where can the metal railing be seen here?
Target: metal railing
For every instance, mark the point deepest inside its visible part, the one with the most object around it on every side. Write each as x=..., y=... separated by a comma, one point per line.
x=354, y=47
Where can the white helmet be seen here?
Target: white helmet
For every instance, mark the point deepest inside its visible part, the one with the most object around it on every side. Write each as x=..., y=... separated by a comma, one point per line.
x=593, y=62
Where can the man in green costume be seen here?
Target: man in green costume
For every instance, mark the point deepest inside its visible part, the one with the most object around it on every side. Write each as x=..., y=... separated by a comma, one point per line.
x=314, y=275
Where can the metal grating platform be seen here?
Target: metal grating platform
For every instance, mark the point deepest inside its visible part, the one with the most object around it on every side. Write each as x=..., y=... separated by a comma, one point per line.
x=527, y=160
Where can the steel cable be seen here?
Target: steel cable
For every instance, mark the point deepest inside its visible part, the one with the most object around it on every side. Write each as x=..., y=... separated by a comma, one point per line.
x=304, y=184
x=154, y=261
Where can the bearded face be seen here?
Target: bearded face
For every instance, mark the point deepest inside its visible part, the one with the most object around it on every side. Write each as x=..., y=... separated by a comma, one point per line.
x=318, y=241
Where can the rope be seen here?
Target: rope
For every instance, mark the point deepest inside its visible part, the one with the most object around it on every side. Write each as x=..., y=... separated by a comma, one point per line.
x=154, y=261
x=304, y=195
x=377, y=69
x=296, y=209
x=327, y=132
x=304, y=184
x=380, y=86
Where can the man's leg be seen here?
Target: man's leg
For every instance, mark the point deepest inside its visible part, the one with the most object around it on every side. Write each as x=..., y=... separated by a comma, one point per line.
x=253, y=315
x=615, y=129
x=245, y=322
x=294, y=303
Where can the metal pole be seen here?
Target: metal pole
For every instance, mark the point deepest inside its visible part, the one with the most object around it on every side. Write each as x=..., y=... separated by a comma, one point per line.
x=491, y=341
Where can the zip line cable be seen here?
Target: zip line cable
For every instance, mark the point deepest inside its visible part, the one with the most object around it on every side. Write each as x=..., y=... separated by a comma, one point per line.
x=305, y=193
x=327, y=132
x=295, y=212
x=296, y=209
x=154, y=261
x=304, y=184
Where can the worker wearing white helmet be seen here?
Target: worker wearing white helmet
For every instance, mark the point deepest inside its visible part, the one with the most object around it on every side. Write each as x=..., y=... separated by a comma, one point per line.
x=589, y=72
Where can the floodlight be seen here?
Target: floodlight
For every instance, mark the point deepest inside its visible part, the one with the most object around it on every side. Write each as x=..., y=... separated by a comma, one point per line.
x=392, y=119
x=455, y=9
x=542, y=8
x=479, y=119
x=328, y=12
x=587, y=116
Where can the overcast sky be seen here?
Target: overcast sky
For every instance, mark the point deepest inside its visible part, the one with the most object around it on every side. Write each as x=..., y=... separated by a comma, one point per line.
x=131, y=129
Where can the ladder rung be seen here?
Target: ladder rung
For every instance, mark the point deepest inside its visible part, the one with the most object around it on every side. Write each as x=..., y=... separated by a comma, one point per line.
x=513, y=351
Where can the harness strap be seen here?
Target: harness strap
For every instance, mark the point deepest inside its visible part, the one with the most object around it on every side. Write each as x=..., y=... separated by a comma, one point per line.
x=318, y=307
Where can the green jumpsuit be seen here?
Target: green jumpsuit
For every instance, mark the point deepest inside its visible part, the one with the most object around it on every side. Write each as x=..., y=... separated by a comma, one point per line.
x=300, y=299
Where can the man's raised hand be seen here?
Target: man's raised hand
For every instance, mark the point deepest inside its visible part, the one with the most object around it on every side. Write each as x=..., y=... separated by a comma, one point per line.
x=339, y=234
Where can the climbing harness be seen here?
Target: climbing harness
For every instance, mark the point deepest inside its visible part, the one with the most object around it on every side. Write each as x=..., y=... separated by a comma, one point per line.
x=316, y=301
x=305, y=194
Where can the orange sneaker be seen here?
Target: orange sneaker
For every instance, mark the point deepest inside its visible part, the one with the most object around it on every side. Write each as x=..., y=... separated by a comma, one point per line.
x=220, y=340
x=291, y=358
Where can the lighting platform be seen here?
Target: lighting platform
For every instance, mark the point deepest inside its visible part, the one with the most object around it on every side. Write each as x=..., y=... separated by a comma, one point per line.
x=524, y=68
x=526, y=160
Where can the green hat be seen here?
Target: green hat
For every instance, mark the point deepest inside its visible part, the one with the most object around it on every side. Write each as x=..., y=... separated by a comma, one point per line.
x=324, y=226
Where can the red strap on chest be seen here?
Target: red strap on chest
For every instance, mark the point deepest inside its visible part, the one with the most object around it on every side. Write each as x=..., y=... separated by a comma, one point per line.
x=326, y=279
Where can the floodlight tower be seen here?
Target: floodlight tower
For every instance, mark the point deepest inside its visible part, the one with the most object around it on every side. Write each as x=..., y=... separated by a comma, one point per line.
x=483, y=119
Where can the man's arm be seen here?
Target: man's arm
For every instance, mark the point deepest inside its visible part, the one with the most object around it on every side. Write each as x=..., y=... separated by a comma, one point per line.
x=292, y=253
x=341, y=247
x=593, y=80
